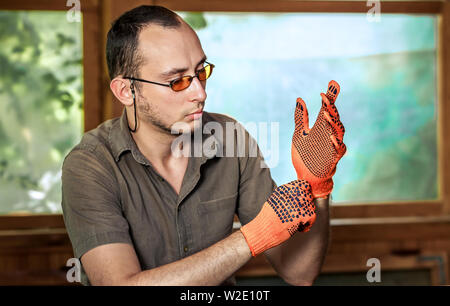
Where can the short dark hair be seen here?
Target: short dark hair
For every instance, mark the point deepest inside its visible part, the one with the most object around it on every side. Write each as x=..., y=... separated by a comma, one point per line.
x=122, y=54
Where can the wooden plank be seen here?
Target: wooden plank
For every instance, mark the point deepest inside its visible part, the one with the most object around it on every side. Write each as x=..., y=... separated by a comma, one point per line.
x=358, y=263
x=419, y=7
x=43, y=249
x=46, y=5
x=11, y=222
x=92, y=69
x=393, y=220
x=444, y=99
x=391, y=231
x=37, y=278
x=15, y=239
x=392, y=209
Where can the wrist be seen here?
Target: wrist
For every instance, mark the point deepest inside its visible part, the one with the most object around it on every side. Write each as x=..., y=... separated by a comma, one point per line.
x=322, y=188
x=260, y=233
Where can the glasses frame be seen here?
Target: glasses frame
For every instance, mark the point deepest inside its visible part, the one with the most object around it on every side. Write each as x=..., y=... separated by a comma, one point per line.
x=191, y=77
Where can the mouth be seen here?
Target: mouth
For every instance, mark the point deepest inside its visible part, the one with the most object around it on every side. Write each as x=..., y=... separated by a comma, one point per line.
x=200, y=111
x=195, y=115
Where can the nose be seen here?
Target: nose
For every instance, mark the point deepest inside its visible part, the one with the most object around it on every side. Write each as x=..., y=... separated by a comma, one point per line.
x=197, y=91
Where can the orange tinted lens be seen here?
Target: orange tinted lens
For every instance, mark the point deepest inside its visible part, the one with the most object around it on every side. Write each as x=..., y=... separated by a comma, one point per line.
x=182, y=83
x=205, y=73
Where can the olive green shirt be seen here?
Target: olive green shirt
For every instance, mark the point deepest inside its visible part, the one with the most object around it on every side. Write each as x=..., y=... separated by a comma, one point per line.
x=112, y=194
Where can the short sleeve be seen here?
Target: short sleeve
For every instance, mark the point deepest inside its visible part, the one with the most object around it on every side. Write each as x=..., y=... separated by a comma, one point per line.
x=255, y=183
x=91, y=203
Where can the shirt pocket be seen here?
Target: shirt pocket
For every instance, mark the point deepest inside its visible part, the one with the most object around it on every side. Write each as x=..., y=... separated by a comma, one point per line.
x=216, y=218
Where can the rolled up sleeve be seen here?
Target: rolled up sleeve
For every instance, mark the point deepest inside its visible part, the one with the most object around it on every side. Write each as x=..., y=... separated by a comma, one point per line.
x=255, y=184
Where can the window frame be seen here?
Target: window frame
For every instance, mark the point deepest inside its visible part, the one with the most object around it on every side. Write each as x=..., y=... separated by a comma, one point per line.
x=441, y=9
x=100, y=105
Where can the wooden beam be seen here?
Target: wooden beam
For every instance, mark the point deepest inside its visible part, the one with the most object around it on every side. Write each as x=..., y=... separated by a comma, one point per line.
x=393, y=229
x=92, y=68
x=46, y=5
x=15, y=222
x=394, y=209
x=417, y=7
x=444, y=104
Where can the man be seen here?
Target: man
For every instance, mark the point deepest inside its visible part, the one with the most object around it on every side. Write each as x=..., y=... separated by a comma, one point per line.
x=139, y=214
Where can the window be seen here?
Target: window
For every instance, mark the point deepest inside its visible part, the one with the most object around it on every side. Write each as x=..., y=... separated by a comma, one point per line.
x=41, y=115
x=388, y=102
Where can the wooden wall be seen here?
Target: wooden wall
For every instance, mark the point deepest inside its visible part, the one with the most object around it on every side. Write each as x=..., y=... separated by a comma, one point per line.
x=39, y=256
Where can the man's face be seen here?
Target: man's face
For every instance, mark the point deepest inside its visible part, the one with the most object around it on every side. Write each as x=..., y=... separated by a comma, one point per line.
x=170, y=53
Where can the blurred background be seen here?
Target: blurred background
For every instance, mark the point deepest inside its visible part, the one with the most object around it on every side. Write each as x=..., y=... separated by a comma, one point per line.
x=391, y=58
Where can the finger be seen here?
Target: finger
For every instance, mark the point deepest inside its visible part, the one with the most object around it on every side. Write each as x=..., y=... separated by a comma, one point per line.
x=336, y=125
x=301, y=117
x=342, y=149
x=339, y=146
x=330, y=107
x=339, y=128
x=335, y=142
x=299, y=186
x=333, y=91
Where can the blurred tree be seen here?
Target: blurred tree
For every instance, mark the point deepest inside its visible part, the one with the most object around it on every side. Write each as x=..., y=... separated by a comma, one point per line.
x=195, y=19
x=40, y=106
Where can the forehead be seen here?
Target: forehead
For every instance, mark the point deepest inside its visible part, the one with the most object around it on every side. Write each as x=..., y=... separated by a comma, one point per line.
x=166, y=48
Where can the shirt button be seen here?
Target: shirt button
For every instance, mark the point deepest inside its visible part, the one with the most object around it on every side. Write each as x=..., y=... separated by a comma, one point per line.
x=186, y=249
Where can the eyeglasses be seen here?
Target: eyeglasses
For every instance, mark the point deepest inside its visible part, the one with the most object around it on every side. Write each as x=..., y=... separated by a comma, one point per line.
x=183, y=82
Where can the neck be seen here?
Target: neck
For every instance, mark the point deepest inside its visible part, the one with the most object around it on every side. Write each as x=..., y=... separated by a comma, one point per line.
x=156, y=145
x=153, y=142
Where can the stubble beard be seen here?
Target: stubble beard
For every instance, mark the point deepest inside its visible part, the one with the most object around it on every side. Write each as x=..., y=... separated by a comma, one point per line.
x=149, y=114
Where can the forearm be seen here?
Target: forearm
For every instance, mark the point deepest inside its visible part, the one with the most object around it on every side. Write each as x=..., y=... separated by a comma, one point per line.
x=210, y=266
x=299, y=260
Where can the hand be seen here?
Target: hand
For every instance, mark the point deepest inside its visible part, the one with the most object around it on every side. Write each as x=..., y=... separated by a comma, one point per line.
x=316, y=152
x=289, y=209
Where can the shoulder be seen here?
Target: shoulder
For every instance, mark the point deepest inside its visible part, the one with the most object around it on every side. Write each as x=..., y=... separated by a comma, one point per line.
x=94, y=145
x=227, y=122
x=98, y=136
x=217, y=117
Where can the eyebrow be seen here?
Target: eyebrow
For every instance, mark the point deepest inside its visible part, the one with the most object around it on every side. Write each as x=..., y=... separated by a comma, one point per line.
x=181, y=70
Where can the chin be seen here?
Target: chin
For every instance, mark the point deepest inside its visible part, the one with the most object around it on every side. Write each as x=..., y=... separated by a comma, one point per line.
x=196, y=125
x=186, y=126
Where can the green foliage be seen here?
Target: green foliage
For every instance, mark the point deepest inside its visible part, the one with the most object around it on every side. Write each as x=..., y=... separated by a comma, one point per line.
x=40, y=106
x=196, y=20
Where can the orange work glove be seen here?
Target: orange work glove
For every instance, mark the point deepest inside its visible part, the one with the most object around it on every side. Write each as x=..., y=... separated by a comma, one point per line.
x=316, y=152
x=289, y=209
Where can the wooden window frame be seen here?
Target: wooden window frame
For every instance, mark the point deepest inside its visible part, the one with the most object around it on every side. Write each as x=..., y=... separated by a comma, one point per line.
x=99, y=104
x=397, y=209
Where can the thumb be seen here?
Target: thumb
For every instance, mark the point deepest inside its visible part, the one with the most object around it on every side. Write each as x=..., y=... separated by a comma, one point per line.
x=301, y=117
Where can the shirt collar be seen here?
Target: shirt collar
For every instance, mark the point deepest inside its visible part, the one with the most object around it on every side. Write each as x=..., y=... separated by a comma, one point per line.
x=120, y=140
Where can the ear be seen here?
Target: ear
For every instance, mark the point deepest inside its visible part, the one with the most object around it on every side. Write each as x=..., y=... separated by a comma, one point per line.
x=121, y=90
